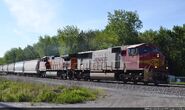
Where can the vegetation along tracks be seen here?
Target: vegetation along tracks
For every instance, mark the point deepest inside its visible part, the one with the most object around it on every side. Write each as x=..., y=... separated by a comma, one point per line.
x=167, y=90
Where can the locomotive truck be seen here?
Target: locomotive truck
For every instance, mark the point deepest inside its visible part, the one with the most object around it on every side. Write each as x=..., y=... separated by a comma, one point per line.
x=130, y=63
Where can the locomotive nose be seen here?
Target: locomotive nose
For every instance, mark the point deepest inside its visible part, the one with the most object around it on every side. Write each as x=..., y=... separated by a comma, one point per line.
x=157, y=60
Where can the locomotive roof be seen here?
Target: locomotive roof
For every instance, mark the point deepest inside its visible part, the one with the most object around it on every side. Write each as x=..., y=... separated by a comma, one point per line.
x=136, y=45
x=85, y=52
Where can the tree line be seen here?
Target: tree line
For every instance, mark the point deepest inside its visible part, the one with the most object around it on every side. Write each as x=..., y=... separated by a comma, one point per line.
x=122, y=29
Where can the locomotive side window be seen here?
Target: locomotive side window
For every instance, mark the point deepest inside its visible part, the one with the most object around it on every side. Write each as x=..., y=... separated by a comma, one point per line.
x=116, y=50
x=44, y=59
x=133, y=51
x=124, y=53
x=47, y=64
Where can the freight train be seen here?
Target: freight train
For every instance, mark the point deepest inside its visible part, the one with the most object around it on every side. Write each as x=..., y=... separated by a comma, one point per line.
x=131, y=63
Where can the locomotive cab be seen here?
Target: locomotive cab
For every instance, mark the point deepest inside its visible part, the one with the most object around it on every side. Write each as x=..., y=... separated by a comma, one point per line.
x=144, y=63
x=152, y=61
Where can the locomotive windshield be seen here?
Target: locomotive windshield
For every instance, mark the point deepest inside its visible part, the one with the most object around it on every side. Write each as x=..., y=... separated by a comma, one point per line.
x=147, y=49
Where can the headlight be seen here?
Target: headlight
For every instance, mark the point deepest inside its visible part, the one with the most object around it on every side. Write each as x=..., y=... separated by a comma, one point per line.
x=167, y=68
x=155, y=66
x=157, y=55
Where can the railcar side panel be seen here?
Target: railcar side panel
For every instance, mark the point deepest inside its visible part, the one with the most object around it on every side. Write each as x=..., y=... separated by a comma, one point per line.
x=100, y=60
x=19, y=67
x=54, y=64
x=42, y=66
x=84, y=60
x=1, y=68
x=84, y=64
x=107, y=59
x=5, y=67
x=31, y=66
x=11, y=68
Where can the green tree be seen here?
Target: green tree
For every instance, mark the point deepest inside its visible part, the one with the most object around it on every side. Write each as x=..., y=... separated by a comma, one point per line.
x=10, y=56
x=81, y=42
x=177, y=50
x=87, y=40
x=47, y=46
x=148, y=36
x=171, y=44
x=68, y=39
x=125, y=24
x=2, y=61
x=14, y=55
x=19, y=54
x=105, y=39
x=30, y=53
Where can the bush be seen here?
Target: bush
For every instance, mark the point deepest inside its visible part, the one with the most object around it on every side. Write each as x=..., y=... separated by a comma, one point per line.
x=76, y=95
x=46, y=96
x=11, y=91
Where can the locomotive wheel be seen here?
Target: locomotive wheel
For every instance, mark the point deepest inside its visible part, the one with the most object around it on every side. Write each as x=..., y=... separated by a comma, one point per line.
x=135, y=82
x=156, y=83
x=145, y=83
x=70, y=78
x=71, y=75
x=125, y=82
x=98, y=80
x=63, y=77
x=91, y=79
x=78, y=78
x=42, y=75
x=85, y=79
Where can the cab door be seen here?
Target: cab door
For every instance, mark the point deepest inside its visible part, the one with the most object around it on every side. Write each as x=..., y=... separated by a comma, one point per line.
x=117, y=52
x=132, y=59
x=74, y=63
x=117, y=59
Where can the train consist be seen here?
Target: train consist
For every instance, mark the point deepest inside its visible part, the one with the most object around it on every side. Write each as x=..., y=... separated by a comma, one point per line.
x=131, y=63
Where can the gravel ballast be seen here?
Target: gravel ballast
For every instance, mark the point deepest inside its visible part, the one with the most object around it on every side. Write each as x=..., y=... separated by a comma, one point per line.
x=117, y=94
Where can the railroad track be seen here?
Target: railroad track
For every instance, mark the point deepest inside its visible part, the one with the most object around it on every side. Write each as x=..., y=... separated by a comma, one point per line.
x=119, y=94
x=165, y=89
x=112, y=82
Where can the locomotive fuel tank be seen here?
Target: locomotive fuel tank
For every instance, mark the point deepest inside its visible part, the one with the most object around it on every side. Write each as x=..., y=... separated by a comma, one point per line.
x=104, y=76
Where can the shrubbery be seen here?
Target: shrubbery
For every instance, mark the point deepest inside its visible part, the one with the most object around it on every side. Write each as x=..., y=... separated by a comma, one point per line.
x=11, y=91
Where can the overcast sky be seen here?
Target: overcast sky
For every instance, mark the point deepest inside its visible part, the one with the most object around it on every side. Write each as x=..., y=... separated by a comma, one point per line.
x=23, y=21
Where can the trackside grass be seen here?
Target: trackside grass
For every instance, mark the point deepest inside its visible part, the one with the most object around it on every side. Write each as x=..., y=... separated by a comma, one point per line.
x=12, y=91
x=180, y=83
